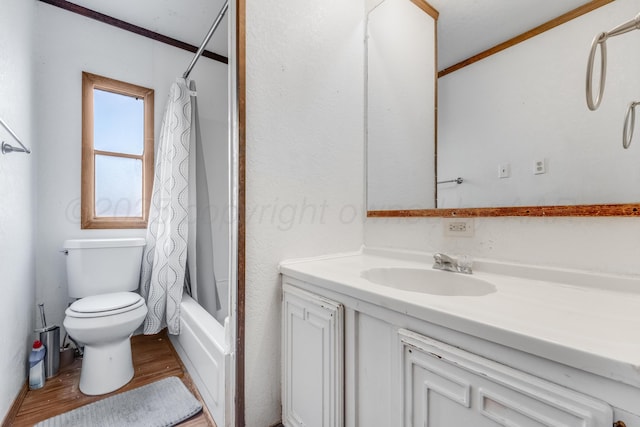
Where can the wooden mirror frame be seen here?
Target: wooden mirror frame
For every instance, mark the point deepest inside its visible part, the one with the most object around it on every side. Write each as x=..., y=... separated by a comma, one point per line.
x=625, y=209
x=241, y=66
x=629, y=209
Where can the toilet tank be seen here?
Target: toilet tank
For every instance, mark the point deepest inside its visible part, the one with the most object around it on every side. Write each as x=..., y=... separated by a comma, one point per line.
x=99, y=266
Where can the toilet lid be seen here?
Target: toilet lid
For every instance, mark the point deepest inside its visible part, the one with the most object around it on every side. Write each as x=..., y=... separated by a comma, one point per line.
x=97, y=304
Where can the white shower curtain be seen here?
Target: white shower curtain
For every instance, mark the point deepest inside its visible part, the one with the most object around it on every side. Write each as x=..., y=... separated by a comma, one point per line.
x=165, y=255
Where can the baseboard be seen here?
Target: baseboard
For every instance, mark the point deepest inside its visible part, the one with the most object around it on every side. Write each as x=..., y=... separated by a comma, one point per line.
x=15, y=407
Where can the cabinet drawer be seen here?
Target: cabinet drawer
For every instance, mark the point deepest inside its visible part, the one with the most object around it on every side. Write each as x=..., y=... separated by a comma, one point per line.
x=445, y=386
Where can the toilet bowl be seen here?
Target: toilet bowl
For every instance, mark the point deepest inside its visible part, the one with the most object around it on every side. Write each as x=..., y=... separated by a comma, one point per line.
x=103, y=273
x=104, y=324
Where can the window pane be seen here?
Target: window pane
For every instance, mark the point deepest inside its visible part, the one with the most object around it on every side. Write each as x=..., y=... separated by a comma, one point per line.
x=118, y=186
x=118, y=122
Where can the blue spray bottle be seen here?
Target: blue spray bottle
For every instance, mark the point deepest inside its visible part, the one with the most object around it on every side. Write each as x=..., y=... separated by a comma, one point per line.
x=36, y=366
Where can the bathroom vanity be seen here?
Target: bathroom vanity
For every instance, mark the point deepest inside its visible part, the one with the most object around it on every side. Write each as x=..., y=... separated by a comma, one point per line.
x=379, y=338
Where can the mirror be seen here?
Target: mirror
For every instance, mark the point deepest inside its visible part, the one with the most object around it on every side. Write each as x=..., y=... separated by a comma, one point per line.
x=515, y=127
x=400, y=117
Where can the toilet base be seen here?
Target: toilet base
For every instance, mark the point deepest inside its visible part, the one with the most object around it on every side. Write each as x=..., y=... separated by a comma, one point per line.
x=106, y=367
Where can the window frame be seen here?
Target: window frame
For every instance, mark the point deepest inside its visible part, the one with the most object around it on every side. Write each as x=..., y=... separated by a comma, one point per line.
x=89, y=219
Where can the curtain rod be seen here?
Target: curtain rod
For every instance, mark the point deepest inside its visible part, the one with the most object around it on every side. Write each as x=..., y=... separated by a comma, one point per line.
x=212, y=30
x=106, y=19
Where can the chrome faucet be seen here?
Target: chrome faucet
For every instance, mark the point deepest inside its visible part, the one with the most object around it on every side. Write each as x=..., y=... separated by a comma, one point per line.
x=447, y=263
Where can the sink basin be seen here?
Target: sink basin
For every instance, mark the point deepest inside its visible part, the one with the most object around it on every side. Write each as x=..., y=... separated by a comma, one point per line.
x=434, y=282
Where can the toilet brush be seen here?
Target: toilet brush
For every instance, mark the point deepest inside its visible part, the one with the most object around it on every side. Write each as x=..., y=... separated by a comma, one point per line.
x=42, y=318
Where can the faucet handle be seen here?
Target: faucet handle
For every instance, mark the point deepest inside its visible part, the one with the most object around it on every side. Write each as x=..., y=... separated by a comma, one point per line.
x=441, y=258
x=465, y=262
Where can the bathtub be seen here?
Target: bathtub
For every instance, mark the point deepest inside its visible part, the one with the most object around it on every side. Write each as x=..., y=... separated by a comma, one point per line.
x=203, y=347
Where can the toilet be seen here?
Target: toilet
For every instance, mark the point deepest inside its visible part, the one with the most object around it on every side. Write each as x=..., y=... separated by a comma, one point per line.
x=103, y=274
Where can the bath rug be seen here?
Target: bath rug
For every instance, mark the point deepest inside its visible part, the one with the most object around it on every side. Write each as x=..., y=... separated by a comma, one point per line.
x=163, y=403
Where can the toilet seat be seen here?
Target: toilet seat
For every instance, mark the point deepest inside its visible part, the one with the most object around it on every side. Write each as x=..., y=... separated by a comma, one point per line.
x=105, y=305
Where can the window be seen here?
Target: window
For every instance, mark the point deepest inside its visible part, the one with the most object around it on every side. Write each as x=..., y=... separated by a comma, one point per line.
x=117, y=153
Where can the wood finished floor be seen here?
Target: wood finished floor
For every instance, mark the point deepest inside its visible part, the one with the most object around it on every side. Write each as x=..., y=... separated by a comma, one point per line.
x=154, y=358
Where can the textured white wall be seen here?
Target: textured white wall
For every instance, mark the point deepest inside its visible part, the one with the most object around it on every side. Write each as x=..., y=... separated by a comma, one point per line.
x=305, y=107
x=66, y=45
x=17, y=198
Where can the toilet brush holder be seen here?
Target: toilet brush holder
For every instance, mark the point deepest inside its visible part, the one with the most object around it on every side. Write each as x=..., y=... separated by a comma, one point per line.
x=50, y=337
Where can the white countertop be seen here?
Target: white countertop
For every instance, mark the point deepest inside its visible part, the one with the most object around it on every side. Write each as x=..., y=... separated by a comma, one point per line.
x=589, y=321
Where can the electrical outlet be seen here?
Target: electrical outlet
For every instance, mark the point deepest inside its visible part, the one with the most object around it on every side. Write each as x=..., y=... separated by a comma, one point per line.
x=458, y=227
x=539, y=167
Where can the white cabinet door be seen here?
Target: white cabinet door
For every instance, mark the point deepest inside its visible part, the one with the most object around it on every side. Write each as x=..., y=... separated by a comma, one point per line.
x=445, y=386
x=313, y=360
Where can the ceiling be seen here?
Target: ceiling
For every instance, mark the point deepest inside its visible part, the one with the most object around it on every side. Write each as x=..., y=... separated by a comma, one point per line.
x=468, y=27
x=465, y=27
x=185, y=20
